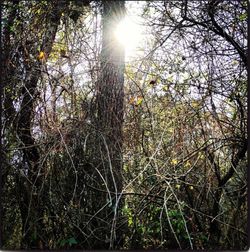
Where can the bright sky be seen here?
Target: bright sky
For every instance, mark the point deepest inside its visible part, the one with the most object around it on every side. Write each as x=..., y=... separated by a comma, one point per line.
x=129, y=31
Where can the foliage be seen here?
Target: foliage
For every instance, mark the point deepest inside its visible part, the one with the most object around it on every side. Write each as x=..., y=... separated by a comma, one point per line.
x=160, y=164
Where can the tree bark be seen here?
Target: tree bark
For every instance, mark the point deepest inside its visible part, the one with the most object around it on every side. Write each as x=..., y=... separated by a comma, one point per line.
x=109, y=101
x=32, y=196
x=110, y=91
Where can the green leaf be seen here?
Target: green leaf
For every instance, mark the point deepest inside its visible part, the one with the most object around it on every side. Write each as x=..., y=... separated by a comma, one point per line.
x=142, y=229
x=234, y=116
x=63, y=242
x=34, y=235
x=158, y=230
x=243, y=17
x=130, y=221
x=72, y=241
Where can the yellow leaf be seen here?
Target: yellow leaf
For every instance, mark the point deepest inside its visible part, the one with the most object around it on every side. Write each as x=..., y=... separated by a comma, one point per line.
x=178, y=186
x=195, y=104
x=136, y=100
x=187, y=164
x=170, y=130
x=139, y=100
x=41, y=56
x=191, y=187
x=131, y=100
x=174, y=161
x=165, y=88
x=235, y=62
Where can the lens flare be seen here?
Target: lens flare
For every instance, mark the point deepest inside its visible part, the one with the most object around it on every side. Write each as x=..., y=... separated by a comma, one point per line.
x=128, y=33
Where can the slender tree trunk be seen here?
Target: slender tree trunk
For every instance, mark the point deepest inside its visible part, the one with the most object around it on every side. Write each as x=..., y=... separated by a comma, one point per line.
x=109, y=101
x=110, y=90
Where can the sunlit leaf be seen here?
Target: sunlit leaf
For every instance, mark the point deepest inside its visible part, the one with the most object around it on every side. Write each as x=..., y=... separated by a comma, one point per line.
x=195, y=104
x=139, y=100
x=235, y=62
x=178, y=186
x=41, y=55
x=130, y=221
x=170, y=130
x=170, y=78
x=187, y=164
x=132, y=100
x=174, y=161
x=165, y=88
x=243, y=17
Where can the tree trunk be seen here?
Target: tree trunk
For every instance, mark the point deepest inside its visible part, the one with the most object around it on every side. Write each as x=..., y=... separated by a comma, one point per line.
x=32, y=194
x=109, y=101
x=110, y=91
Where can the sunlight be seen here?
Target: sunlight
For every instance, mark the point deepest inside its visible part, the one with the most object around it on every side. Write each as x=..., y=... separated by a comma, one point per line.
x=129, y=33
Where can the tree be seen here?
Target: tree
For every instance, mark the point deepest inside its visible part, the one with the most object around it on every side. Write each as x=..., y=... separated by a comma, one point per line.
x=109, y=102
x=32, y=198
x=204, y=43
x=145, y=153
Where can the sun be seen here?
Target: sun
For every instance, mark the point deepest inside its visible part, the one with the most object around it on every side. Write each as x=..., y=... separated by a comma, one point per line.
x=128, y=33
